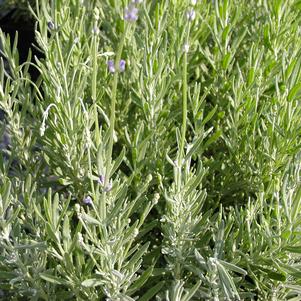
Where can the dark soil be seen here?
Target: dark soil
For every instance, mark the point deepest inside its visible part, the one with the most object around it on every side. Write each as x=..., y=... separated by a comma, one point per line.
x=26, y=38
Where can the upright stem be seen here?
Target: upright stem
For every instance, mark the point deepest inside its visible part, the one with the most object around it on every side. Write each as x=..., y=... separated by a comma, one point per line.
x=114, y=93
x=113, y=104
x=94, y=83
x=184, y=114
x=184, y=107
x=112, y=121
x=90, y=168
x=177, y=270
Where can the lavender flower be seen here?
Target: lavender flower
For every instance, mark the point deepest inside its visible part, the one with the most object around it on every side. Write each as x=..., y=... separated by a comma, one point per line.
x=109, y=187
x=87, y=200
x=131, y=13
x=122, y=65
x=51, y=25
x=111, y=66
x=101, y=180
x=95, y=30
x=190, y=15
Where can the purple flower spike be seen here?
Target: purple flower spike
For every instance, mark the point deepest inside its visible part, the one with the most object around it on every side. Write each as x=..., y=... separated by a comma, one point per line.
x=101, y=180
x=122, y=65
x=87, y=200
x=111, y=66
x=190, y=15
x=131, y=13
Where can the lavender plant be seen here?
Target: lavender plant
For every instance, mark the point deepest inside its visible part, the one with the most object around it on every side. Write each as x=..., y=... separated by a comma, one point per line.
x=157, y=155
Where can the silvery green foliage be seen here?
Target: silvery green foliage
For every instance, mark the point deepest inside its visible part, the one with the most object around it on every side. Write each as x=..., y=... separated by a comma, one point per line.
x=157, y=157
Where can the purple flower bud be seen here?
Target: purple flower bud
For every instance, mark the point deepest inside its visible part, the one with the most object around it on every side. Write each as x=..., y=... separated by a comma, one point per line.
x=131, y=13
x=190, y=15
x=51, y=25
x=95, y=30
x=111, y=66
x=87, y=200
x=109, y=187
x=101, y=180
x=122, y=65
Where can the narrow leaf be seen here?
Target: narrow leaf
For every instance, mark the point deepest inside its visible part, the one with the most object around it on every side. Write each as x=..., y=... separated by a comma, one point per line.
x=152, y=292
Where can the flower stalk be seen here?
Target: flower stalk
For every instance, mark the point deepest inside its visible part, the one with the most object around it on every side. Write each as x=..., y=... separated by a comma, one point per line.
x=184, y=113
x=95, y=42
x=107, y=182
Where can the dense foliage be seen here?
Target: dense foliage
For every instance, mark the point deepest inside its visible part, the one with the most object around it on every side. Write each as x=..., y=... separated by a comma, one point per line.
x=157, y=156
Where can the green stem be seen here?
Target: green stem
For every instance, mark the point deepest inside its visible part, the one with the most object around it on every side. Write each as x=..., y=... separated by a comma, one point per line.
x=113, y=105
x=90, y=171
x=177, y=272
x=184, y=115
x=94, y=84
x=112, y=121
x=184, y=108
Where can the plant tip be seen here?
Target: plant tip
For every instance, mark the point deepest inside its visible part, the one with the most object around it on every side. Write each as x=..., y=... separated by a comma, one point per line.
x=77, y=208
x=51, y=25
x=109, y=187
x=190, y=14
x=87, y=200
x=101, y=180
x=111, y=66
x=131, y=13
x=95, y=30
x=122, y=65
